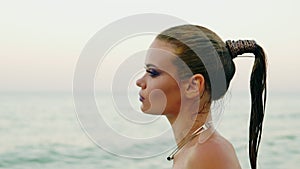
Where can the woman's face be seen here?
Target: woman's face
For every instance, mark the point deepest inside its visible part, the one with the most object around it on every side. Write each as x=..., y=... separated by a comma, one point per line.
x=160, y=87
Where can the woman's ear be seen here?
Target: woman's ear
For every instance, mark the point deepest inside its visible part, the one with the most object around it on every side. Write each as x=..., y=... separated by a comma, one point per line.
x=195, y=86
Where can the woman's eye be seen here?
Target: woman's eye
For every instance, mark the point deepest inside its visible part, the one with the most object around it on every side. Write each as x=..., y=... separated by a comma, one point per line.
x=152, y=72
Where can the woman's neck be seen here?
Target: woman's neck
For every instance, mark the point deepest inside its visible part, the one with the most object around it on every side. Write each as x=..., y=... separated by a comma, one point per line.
x=185, y=124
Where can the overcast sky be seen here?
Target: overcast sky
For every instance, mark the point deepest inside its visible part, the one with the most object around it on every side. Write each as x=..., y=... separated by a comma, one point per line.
x=42, y=40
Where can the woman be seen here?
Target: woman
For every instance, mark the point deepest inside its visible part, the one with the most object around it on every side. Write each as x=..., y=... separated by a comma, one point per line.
x=189, y=67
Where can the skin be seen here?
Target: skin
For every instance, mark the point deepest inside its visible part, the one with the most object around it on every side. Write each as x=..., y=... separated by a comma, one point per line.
x=186, y=104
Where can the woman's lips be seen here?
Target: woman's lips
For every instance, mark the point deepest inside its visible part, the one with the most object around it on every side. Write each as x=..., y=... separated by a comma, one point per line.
x=141, y=98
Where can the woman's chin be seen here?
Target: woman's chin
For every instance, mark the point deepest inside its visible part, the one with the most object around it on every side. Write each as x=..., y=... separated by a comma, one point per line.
x=151, y=111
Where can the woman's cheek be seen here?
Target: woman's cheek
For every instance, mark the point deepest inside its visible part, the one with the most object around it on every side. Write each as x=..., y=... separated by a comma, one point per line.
x=158, y=102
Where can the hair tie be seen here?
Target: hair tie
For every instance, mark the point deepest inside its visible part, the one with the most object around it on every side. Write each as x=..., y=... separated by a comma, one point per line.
x=240, y=47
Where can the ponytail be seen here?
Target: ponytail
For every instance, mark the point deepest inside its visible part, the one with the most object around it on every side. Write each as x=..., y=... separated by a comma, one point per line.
x=258, y=101
x=258, y=90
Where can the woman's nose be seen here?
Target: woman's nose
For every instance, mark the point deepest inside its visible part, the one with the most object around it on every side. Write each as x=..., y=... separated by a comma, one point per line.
x=141, y=83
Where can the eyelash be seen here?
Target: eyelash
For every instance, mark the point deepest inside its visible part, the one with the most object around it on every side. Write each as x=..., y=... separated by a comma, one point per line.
x=152, y=72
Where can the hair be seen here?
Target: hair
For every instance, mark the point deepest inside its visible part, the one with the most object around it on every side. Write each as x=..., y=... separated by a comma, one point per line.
x=216, y=58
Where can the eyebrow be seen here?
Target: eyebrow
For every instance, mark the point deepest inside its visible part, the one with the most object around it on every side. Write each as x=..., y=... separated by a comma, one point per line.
x=150, y=65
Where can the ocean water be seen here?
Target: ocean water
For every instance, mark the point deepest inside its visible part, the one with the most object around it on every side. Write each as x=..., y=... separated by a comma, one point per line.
x=41, y=131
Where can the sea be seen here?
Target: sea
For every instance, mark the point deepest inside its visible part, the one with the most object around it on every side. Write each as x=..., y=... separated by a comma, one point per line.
x=45, y=130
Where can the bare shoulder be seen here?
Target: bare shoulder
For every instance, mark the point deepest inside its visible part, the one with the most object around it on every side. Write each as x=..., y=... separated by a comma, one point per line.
x=215, y=153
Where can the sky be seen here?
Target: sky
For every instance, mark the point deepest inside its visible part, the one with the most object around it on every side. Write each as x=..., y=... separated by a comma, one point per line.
x=41, y=41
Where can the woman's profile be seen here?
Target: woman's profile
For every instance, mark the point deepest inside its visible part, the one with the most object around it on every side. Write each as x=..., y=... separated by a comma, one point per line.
x=193, y=67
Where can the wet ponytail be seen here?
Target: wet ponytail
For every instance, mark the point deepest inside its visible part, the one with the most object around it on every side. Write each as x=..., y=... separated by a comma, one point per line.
x=258, y=92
